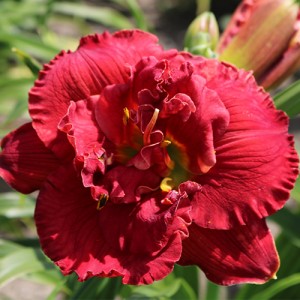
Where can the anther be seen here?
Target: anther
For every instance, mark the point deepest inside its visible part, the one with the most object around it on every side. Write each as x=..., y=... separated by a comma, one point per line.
x=165, y=185
x=126, y=115
x=102, y=201
x=165, y=143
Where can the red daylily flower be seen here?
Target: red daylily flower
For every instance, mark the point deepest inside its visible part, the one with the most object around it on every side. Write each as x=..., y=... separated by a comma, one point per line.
x=145, y=158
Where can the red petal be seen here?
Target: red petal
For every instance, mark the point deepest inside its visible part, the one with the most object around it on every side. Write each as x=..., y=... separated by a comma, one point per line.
x=198, y=133
x=85, y=136
x=80, y=125
x=24, y=161
x=244, y=254
x=127, y=184
x=139, y=242
x=100, y=60
x=257, y=164
x=110, y=113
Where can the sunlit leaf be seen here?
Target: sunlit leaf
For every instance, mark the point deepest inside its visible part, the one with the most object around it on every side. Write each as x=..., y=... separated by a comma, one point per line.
x=288, y=100
x=48, y=277
x=7, y=247
x=296, y=191
x=289, y=222
x=171, y=287
x=280, y=286
x=14, y=205
x=212, y=291
x=138, y=14
x=20, y=262
x=30, y=43
x=184, y=292
x=10, y=227
x=103, y=15
x=17, y=111
x=14, y=87
x=29, y=61
x=190, y=274
x=60, y=285
x=97, y=288
x=162, y=289
x=16, y=13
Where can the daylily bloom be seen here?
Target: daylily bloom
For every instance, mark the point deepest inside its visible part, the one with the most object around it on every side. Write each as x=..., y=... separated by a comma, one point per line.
x=263, y=36
x=145, y=158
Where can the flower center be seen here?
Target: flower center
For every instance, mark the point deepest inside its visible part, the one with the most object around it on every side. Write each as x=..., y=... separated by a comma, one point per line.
x=147, y=148
x=179, y=167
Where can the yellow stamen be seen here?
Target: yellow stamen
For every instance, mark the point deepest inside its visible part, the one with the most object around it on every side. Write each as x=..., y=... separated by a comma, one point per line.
x=126, y=115
x=165, y=185
x=165, y=143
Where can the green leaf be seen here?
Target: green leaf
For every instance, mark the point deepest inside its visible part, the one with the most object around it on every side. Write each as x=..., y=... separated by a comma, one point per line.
x=14, y=205
x=190, y=274
x=29, y=43
x=18, y=110
x=171, y=287
x=138, y=14
x=280, y=286
x=212, y=291
x=13, y=101
x=29, y=61
x=7, y=247
x=184, y=292
x=16, y=14
x=296, y=191
x=11, y=227
x=21, y=262
x=60, y=285
x=289, y=222
x=164, y=289
x=94, y=288
x=103, y=15
x=288, y=100
x=48, y=277
x=13, y=89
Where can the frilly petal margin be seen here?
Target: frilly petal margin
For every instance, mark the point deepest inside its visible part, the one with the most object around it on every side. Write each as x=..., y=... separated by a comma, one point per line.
x=25, y=162
x=244, y=254
x=256, y=162
x=139, y=242
x=100, y=60
x=87, y=139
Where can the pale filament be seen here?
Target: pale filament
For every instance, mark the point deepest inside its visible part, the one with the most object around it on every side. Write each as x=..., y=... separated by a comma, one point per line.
x=150, y=126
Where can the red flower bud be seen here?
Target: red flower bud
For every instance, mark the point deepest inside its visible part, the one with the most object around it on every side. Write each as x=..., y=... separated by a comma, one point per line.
x=259, y=35
x=287, y=64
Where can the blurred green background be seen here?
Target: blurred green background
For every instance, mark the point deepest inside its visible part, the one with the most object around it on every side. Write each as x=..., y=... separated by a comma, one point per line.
x=32, y=32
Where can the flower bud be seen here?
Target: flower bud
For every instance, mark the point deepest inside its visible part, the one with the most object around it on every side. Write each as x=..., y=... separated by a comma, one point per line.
x=202, y=35
x=258, y=34
x=288, y=63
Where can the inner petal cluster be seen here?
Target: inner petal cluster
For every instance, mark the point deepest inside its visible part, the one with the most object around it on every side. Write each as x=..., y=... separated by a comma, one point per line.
x=158, y=129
